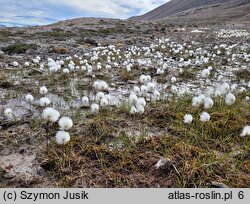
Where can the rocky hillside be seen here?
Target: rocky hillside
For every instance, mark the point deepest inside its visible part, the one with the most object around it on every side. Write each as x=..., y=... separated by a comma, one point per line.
x=213, y=10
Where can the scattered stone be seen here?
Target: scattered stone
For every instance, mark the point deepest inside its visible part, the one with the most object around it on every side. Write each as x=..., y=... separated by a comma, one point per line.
x=16, y=83
x=120, y=83
x=215, y=184
x=10, y=174
x=23, y=169
x=163, y=163
x=90, y=42
x=40, y=171
x=22, y=151
x=85, y=81
x=132, y=82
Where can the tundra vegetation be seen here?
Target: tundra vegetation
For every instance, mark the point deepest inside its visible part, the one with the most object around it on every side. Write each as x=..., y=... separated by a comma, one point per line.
x=110, y=103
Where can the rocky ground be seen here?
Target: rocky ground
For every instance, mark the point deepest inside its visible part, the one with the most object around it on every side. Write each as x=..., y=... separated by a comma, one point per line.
x=115, y=148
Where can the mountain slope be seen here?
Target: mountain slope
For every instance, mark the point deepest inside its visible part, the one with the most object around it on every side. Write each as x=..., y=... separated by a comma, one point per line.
x=198, y=9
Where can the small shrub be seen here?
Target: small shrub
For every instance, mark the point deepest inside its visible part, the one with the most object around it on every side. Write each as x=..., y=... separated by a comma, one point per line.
x=18, y=48
x=58, y=34
x=187, y=74
x=58, y=50
x=242, y=74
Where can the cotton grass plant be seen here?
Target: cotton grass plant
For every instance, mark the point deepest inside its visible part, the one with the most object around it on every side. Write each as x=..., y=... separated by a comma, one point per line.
x=149, y=90
x=50, y=116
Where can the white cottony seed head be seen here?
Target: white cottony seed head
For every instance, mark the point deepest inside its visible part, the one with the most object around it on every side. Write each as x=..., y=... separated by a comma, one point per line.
x=208, y=103
x=43, y=90
x=188, y=118
x=29, y=98
x=133, y=98
x=44, y=101
x=141, y=102
x=104, y=102
x=65, y=123
x=62, y=137
x=196, y=101
x=204, y=117
x=8, y=112
x=140, y=109
x=66, y=71
x=99, y=96
x=245, y=131
x=230, y=99
x=85, y=101
x=94, y=108
x=50, y=114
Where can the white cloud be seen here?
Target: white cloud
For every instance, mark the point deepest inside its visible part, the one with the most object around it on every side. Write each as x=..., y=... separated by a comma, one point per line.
x=48, y=11
x=114, y=8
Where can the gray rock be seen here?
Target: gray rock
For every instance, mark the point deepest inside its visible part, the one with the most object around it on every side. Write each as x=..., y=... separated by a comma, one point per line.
x=40, y=171
x=163, y=163
x=215, y=184
x=25, y=169
x=9, y=175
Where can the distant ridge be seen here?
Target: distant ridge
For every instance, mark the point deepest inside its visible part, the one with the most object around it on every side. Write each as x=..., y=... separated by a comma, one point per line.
x=199, y=10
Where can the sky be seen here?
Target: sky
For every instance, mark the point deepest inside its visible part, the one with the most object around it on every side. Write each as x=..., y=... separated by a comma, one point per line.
x=42, y=12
